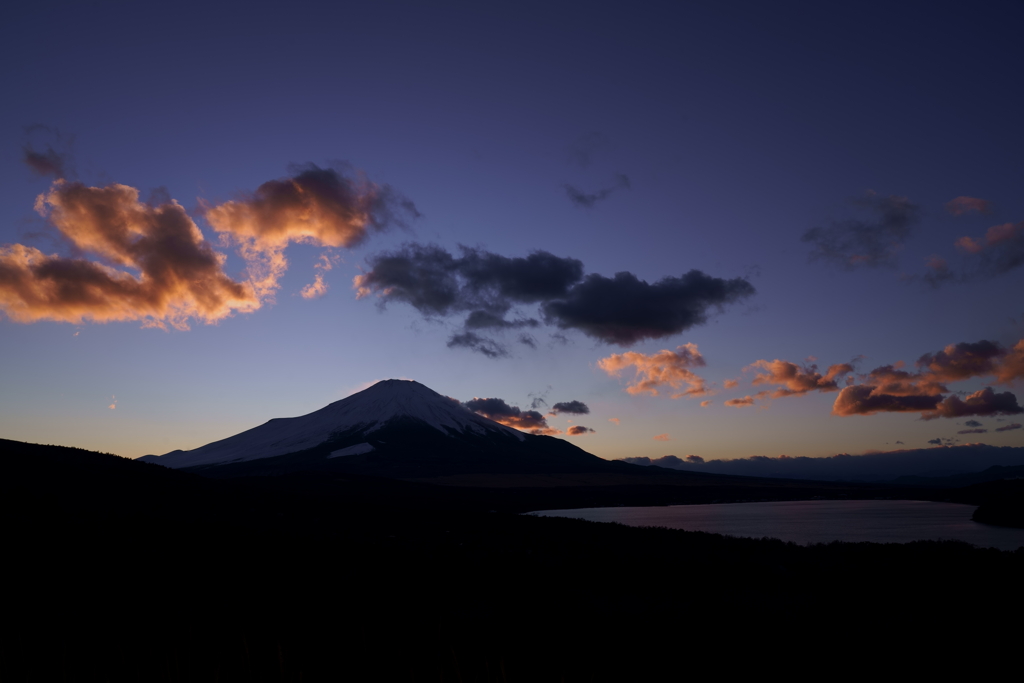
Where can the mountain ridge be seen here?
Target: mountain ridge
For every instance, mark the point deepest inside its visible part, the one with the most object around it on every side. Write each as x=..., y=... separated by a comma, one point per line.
x=395, y=428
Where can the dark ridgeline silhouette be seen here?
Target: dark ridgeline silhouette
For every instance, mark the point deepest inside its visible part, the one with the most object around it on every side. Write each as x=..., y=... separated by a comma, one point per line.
x=900, y=466
x=126, y=570
x=396, y=428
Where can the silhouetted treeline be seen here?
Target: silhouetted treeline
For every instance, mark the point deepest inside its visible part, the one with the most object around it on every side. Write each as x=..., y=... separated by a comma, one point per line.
x=118, y=570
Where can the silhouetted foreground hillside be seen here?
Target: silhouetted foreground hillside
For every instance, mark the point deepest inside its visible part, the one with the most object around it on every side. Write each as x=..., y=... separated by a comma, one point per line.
x=119, y=570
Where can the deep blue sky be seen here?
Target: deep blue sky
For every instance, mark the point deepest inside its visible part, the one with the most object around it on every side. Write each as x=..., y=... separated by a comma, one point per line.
x=740, y=127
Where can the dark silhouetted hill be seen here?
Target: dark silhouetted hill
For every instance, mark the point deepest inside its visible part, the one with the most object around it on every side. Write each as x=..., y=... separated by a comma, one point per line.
x=994, y=473
x=123, y=571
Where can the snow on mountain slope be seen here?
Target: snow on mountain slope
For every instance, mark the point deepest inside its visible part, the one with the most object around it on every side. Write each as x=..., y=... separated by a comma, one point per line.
x=358, y=449
x=366, y=411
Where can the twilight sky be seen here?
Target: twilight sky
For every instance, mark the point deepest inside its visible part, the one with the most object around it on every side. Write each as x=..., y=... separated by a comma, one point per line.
x=724, y=230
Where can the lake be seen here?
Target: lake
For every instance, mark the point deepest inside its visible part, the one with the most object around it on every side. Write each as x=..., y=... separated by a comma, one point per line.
x=816, y=521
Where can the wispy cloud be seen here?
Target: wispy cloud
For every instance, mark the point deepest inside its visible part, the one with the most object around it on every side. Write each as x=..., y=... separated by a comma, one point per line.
x=961, y=205
x=586, y=200
x=747, y=401
x=866, y=243
x=318, y=287
x=582, y=150
x=47, y=152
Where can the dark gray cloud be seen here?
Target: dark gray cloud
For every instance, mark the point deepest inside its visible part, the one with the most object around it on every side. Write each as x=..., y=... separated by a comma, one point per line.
x=571, y=408
x=436, y=283
x=972, y=423
x=512, y=416
x=619, y=310
x=559, y=338
x=474, y=342
x=973, y=431
x=862, y=399
x=527, y=340
x=999, y=251
x=865, y=243
x=963, y=360
x=579, y=430
x=538, y=398
x=586, y=200
x=1004, y=255
x=625, y=309
x=47, y=152
x=1009, y=427
x=478, y=320
x=982, y=403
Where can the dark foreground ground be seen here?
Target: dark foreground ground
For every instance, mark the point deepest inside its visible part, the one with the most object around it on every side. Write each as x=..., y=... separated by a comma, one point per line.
x=117, y=570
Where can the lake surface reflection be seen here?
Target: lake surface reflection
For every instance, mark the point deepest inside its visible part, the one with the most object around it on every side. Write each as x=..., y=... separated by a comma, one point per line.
x=816, y=521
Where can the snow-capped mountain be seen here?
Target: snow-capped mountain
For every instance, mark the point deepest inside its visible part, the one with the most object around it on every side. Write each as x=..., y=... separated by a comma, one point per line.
x=393, y=425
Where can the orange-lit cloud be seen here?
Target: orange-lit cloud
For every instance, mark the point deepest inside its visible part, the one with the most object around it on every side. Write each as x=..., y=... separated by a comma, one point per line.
x=962, y=361
x=864, y=399
x=316, y=206
x=705, y=404
x=731, y=383
x=656, y=371
x=1011, y=368
x=892, y=389
x=662, y=437
x=969, y=245
x=511, y=416
x=113, y=405
x=962, y=205
x=746, y=401
x=982, y=402
x=579, y=430
x=614, y=420
x=795, y=380
x=937, y=263
x=994, y=236
x=318, y=287
x=180, y=277
x=999, y=251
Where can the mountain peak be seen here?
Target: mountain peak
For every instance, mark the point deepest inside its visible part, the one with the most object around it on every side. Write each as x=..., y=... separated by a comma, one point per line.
x=360, y=414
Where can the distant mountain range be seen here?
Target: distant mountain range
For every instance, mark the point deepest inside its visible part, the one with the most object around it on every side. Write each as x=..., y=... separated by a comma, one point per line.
x=922, y=463
x=395, y=428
